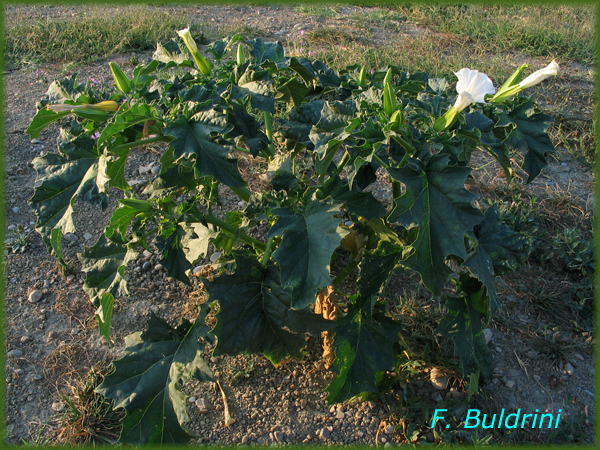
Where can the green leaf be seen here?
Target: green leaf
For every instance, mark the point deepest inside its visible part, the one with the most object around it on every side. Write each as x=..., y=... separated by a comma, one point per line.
x=530, y=137
x=378, y=265
x=363, y=347
x=437, y=202
x=258, y=86
x=42, y=119
x=463, y=324
x=104, y=264
x=64, y=90
x=195, y=138
x=355, y=202
x=196, y=240
x=104, y=314
x=255, y=315
x=170, y=181
x=171, y=52
x=309, y=240
x=263, y=51
x=120, y=220
x=506, y=248
x=303, y=68
x=175, y=243
x=125, y=118
x=62, y=179
x=292, y=92
x=147, y=380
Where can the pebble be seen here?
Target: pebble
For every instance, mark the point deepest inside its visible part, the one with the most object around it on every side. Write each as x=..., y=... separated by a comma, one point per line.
x=15, y=354
x=303, y=403
x=510, y=384
x=324, y=434
x=241, y=203
x=71, y=237
x=145, y=169
x=155, y=170
x=35, y=296
x=202, y=405
x=569, y=369
x=146, y=254
x=37, y=377
x=215, y=256
x=563, y=164
x=438, y=380
x=339, y=415
x=578, y=356
x=57, y=406
x=278, y=435
x=70, y=278
x=537, y=377
x=348, y=223
x=389, y=429
x=146, y=265
x=245, y=440
x=158, y=267
x=16, y=210
x=26, y=338
x=498, y=349
x=487, y=333
x=36, y=141
x=197, y=269
x=87, y=236
x=532, y=354
x=12, y=227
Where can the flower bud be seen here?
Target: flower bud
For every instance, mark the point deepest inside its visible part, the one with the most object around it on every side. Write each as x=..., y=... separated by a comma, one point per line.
x=122, y=83
x=540, y=75
x=202, y=64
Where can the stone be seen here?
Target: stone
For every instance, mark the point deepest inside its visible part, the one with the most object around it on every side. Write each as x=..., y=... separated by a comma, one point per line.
x=197, y=269
x=537, y=378
x=498, y=349
x=145, y=169
x=36, y=141
x=58, y=406
x=215, y=256
x=155, y=170
x=14, y=354
x=158, y=267
x=532, y=354
x=510, y=384
x=71, y=237
x=87, y=236
x=569, y=369
x=278, y=435
x=203, y=405
x=487, y=333
x=11, y=227
x=389, y=429
x=70, y=278
x=26, y=338
x=339, y=415
x=146, y=266
x=16, y=210
x=438, y=379
x=146, y=254
x=324, y=434
x=245, y=440
x=35, y=296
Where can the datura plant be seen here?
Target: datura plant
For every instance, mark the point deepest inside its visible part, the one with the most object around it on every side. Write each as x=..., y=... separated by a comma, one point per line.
x=326, y=136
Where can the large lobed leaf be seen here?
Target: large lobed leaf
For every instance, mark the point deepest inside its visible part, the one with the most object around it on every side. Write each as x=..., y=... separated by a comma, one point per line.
x=255, y=315
x=309, y=240
x=437, y=202
x=61, y=179
x=146, y=381
x=363, y=347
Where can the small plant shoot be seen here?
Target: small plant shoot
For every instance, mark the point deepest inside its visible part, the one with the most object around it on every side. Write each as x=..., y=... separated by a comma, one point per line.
x=326, y=136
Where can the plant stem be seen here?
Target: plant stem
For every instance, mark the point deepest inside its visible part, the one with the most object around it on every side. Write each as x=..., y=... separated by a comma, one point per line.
x=118, y=148
x=380, y=161
x=242, y=192
x=269, y=132
x=344, y=273
x=267, y=254
x=343, y=162
x=396, y=189
x=243, y=237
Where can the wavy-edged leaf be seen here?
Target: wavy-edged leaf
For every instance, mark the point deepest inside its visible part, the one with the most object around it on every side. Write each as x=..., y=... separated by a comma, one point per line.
x=309, y=240
x=530, y=137
x=255, y=314
x=104, y=265
x=463, y=323
x=172, y=53
x=363, y=347
x=42, y=119
x=362, y=204
x=171, y=180
x=104, y=314
x=378, y=265
x=63, y=178
x=437, y=202
x=147, y=380
x=195, y=138
x=256, y=84
x=263, y=51
x=125, y=118
x=176, y=245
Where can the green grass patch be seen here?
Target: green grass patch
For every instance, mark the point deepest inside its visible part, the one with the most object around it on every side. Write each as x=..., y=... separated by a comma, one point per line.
x=564, y=32
x=91, y=35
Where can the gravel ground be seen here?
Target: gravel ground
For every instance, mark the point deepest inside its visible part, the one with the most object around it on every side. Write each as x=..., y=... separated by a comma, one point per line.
x=53, y=340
